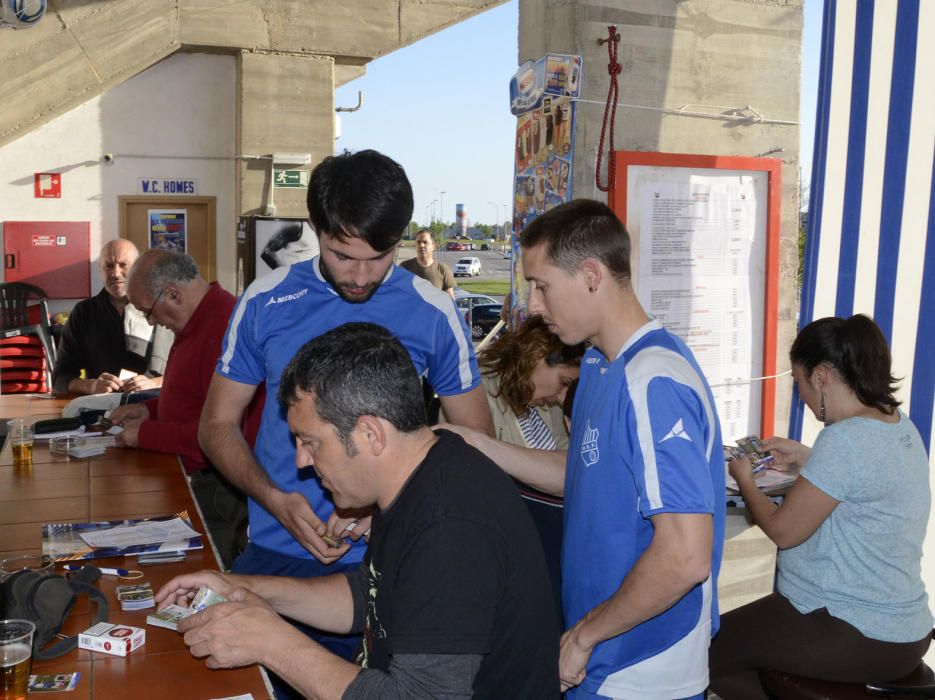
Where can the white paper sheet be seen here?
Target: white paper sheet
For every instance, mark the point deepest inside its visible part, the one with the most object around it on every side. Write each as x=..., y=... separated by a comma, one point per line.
x=150, y=532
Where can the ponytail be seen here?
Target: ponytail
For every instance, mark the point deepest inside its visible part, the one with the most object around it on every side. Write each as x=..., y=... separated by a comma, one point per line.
x=857, y=350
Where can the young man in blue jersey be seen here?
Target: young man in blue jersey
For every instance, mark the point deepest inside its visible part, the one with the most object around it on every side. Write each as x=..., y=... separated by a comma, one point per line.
x=359, y=205
x=643, y=478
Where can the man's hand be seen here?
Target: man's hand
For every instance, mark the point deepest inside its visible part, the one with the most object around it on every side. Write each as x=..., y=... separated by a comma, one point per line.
x=296, y=515
x=573, y=658
x=235, y=633
x=129, y=412
x=181, y=590
x=140, y=382
x=130, y=435
x=348, y=525
x=107, y=383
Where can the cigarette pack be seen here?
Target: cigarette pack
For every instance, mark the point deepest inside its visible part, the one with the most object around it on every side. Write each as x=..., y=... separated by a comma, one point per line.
x=109, y=638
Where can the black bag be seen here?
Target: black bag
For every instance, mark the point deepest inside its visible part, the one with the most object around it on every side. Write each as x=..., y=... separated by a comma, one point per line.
x=46, y=601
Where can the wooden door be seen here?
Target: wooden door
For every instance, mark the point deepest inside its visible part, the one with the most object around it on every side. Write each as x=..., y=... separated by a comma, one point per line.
x=200, y=225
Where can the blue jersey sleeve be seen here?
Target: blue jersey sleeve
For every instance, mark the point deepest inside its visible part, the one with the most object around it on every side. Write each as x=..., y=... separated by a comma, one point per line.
x=452, y=367
x=669, y=460
x=240, y=358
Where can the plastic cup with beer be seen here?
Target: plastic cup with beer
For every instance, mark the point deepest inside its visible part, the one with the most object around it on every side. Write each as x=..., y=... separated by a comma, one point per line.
x=15, y=657
x=20, y=435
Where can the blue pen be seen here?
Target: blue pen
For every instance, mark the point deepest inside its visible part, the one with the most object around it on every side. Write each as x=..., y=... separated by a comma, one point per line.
x=104, y=570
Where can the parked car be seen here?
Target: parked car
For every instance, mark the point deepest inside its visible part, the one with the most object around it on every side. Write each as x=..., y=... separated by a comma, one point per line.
x=484, y=246
x=507, y=253
x=466, y=300
x=467, y=267
x=482, y=318
x=454, y=245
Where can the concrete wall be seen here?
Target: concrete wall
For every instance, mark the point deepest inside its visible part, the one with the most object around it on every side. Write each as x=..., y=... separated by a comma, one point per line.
x=176, y=119
x=714, y=56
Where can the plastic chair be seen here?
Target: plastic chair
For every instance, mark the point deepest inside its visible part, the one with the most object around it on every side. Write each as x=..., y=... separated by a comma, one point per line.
x=15, y=298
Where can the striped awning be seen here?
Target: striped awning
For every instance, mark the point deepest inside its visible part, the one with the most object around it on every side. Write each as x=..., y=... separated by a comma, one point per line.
x=871, y=228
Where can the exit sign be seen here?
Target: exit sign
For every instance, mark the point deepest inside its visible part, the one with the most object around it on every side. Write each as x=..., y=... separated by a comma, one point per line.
x=290, y=178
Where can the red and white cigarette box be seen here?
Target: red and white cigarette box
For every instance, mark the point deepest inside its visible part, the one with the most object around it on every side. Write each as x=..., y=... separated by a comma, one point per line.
x=109, y=638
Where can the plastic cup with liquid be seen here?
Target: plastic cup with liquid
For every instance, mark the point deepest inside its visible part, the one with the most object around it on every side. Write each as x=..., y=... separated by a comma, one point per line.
x=20, y=435
x=15, y=658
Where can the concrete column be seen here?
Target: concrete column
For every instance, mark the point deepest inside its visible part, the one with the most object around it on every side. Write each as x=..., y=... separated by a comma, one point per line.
x=715, y=56
x=285, y=103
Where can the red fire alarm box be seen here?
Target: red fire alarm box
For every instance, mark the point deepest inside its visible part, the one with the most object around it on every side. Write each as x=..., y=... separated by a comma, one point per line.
x=53, y=255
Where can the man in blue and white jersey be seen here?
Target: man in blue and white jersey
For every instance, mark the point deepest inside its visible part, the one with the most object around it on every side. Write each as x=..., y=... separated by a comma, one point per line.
x=643, y=478
x=359, y=204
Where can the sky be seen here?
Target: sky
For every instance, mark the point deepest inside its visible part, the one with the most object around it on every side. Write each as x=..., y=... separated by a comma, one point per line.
x=440, y=107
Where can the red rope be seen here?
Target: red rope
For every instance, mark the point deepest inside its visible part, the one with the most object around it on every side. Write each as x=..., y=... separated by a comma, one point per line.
x=610, y=110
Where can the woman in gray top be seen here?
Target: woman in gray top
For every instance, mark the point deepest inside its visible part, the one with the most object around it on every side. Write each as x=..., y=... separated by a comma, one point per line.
x=850, y=603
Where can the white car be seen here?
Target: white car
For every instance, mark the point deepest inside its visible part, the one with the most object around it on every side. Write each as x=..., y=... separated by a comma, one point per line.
x=507, y=253
x=468, y=267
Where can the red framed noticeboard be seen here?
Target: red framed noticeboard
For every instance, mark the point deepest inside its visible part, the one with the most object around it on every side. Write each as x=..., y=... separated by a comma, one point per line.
x=705, y=261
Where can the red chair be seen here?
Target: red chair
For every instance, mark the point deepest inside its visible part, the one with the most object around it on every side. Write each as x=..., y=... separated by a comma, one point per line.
x=24, y=312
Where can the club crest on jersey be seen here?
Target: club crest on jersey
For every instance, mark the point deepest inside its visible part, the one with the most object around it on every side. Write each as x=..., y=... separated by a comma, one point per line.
x=589, y=451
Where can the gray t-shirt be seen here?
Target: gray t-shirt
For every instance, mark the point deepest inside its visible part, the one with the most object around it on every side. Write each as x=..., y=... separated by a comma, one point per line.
x=863, y=562
x=438, y=273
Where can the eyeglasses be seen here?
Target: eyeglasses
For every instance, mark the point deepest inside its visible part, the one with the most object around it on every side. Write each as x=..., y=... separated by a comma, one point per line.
x=150, y=312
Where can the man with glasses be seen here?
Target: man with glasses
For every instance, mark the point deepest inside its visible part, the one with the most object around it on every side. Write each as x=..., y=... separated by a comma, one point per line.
x=106, y=335
x=173, y=294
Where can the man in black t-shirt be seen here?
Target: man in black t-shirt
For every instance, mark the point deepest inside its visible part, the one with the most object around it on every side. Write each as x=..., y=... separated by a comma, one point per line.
x=452, y=597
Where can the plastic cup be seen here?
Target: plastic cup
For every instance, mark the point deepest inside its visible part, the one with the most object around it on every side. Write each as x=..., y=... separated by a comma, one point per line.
x=20, y=435
x=41, y=564
x=15, y=658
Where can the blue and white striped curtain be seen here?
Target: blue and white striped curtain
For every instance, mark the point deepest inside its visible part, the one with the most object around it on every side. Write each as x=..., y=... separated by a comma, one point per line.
x=871, y=229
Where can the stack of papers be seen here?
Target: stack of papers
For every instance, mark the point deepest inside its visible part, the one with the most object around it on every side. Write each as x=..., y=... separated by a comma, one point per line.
x=170, y=616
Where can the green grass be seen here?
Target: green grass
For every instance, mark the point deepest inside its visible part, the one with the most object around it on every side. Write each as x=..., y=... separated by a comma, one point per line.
x=499, y=287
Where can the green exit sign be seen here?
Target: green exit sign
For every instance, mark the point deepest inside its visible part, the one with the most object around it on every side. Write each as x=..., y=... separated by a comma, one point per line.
x=290, y=178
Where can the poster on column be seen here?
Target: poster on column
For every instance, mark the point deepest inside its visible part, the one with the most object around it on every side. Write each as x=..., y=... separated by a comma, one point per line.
x=168, y=230
x=542, y=97
x=700, y=265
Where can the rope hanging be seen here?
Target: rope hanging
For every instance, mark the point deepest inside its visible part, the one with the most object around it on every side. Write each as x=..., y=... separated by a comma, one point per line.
x=610, y=111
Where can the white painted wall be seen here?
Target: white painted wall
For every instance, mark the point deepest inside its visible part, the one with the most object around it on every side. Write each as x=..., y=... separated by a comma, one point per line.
x=177, y=119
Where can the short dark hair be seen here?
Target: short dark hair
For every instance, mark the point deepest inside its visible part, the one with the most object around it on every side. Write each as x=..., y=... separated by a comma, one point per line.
x=361, y=195
x=354, y=370
x=578, y=230
x=857, y=350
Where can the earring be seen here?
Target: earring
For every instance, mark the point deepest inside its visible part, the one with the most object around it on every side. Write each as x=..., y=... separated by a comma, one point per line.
x=821, y=408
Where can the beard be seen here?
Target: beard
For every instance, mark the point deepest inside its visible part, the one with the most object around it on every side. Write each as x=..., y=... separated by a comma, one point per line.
x=349, y=292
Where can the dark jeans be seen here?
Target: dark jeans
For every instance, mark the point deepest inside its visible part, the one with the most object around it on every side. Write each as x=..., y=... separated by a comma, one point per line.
x=771, y=634
x=224, y=510
x=258, y=560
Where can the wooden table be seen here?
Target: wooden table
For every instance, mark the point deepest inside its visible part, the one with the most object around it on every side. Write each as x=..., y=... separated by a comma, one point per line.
x=122, y=483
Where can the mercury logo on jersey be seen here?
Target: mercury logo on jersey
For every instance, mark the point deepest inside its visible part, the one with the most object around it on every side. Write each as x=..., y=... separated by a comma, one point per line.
x=286, y=297
x=589, y=451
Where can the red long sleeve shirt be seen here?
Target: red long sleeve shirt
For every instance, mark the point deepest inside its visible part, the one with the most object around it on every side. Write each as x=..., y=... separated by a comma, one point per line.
x=174, y=414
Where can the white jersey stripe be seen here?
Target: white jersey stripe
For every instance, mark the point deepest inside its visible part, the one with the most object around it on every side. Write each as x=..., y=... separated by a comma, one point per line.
x=263, y=284
x=645, y=366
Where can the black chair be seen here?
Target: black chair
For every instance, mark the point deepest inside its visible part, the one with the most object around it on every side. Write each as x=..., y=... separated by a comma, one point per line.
x=786, y=686
x=15, y=298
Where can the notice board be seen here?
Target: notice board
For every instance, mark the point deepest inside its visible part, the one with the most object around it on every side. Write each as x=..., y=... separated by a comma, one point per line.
x=705, y=261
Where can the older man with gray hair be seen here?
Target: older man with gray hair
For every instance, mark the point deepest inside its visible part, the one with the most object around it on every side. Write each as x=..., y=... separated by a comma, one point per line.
x=169, y=290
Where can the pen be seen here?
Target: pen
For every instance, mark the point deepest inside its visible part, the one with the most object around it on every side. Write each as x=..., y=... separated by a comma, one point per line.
x=104, y=570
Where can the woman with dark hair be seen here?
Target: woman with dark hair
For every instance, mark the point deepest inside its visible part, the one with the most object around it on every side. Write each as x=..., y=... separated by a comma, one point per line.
x=850, y=604
x=526, y=375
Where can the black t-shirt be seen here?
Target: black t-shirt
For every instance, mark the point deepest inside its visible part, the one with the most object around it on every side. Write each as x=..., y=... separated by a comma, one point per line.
x=93, y=340
x=455, y=566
